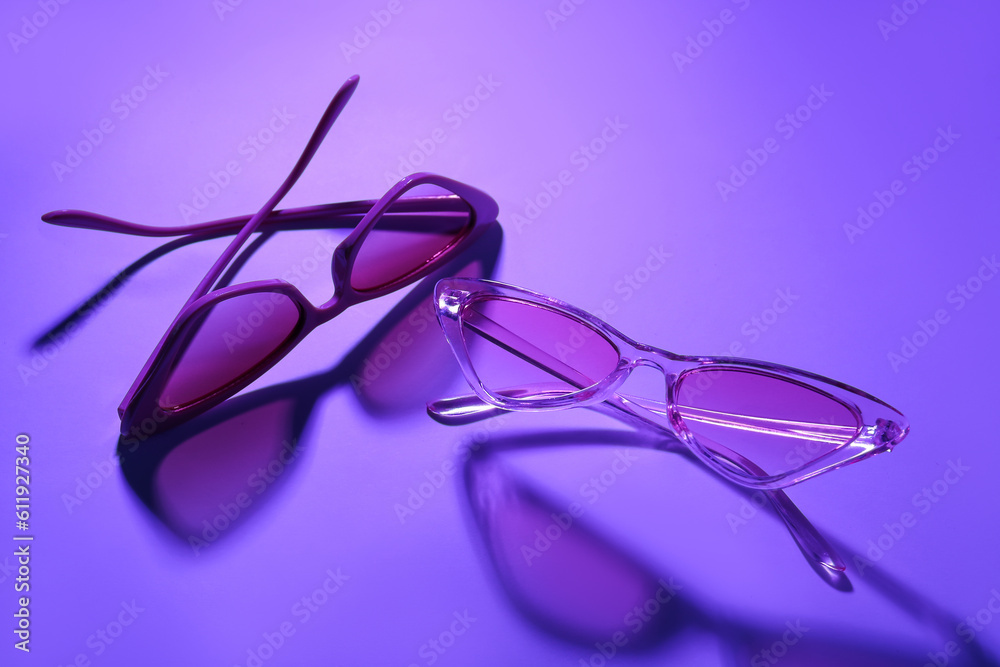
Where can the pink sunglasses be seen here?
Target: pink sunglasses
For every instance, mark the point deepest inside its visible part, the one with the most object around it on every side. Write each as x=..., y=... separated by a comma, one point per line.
x=757, y=424
x=224, y=339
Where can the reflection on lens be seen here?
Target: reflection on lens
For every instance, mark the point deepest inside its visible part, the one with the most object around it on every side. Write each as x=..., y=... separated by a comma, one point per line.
x=760, y=423
x=517, y=345
x=410, y=235
x=233, y=337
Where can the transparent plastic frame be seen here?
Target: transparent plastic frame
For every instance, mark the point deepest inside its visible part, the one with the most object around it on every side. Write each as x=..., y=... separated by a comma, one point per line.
x=880, y=426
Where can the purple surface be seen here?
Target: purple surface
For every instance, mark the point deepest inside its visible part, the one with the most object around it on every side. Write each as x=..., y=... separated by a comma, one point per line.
x=813, y=186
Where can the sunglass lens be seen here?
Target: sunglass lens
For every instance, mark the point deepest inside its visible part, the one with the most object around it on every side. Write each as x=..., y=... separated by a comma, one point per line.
x=525, y=350
x=761, y=423
x=231, y=338
x=415, y=229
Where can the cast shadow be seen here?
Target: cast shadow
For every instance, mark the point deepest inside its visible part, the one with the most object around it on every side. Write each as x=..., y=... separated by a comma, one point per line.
x=207, y=477
x=574, y=582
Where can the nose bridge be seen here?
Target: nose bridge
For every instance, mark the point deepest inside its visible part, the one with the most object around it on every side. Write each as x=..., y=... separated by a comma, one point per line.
x=648, y=362
x=646, y=379
x=661, y=360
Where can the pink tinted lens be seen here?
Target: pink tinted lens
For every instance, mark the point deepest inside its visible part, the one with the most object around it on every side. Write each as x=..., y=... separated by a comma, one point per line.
x=517, y=345
x=761, y=423
x=416, y=229
x=233, y=337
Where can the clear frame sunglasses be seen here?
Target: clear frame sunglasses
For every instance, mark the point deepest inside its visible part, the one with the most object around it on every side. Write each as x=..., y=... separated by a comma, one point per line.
x=760, y=425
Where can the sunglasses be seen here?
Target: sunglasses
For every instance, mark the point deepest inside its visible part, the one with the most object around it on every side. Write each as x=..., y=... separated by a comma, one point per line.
x=757, y=424
x=225, y=337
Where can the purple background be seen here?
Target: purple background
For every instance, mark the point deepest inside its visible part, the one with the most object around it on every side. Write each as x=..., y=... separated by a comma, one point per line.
x=554, y=86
